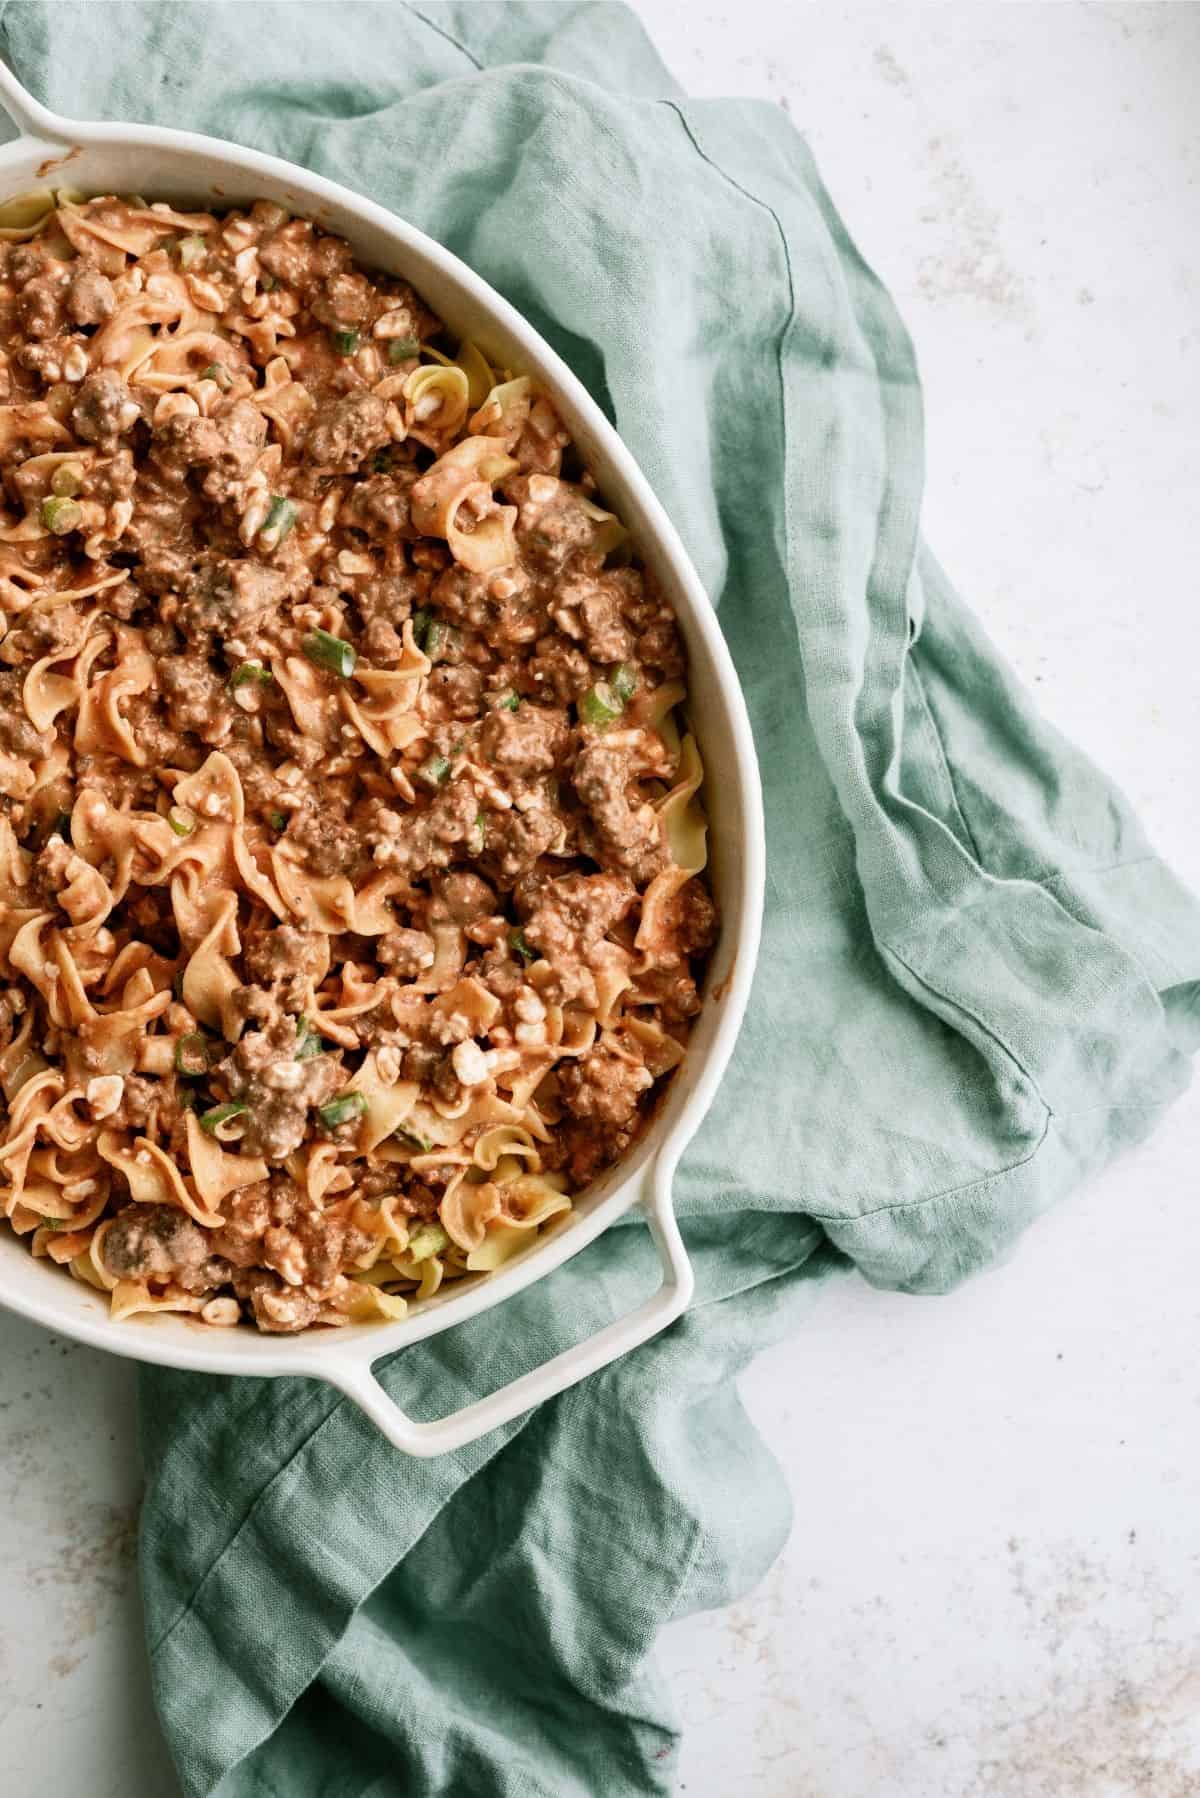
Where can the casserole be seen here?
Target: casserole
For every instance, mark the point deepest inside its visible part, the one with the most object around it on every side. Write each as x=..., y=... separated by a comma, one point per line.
x=188, y=169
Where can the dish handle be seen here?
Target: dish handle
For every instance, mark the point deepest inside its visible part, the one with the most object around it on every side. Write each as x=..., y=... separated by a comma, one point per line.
x=28, y=115
x=444, y=1434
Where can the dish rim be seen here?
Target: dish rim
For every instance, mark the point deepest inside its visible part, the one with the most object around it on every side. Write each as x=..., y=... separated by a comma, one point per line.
x=346, y=1357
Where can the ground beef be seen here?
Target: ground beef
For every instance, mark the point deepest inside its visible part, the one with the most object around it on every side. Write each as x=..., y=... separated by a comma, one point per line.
x=278, y=1309
x=530, y=740
x=687, y=926
x=346, y=431
x=276, y=1222
x=224, y=447
x=39, y=307
x=104, y=409
x=91, y=298
x=156, y=1242
x=226, y=598
x=453, y=693
x=602, y=1088
x=628, y=833
x=415, y=842
x=17, y=735
x=515, y=840
x=569, y=916
x=329, y=843
x=284, y=952
x=499, y=831
x=280, y=1091
x=407, y=953
x=197, y=697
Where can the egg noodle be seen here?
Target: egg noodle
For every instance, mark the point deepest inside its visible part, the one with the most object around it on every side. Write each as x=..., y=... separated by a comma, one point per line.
x=351, y=909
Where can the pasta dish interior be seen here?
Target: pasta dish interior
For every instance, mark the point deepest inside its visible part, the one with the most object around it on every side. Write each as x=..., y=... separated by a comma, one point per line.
x=351, y=895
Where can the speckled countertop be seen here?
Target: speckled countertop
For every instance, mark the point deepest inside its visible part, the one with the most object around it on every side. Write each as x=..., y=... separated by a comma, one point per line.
x=993, y=1581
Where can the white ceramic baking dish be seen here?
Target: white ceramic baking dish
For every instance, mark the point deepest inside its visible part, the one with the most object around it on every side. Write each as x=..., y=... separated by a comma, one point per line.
x=187, y=169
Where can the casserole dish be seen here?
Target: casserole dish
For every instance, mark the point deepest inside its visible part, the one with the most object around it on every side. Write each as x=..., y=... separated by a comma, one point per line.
x=187, y=169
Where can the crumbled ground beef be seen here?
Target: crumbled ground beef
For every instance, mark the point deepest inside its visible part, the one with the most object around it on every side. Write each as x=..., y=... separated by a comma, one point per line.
x=440, y=860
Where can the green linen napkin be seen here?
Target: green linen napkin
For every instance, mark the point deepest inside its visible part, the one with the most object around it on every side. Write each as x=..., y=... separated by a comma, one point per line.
x=976, y=984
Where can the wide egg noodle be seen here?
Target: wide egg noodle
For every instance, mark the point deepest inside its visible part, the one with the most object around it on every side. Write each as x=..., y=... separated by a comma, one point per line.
x=228, y=624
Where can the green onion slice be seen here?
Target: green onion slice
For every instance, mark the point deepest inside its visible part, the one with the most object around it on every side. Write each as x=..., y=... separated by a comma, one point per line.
x=191, y=251
x=342, y=1109
x=511, y=702
x=278, y=820
x=434, y=770
x=381, y=462
x=422, y=618
x=623, y=680
x=519, y=946
x=281, y=516
x=429, y=1239
x=246, y=672
x=330, y=652
x=403, y=349
x=309, y=1043
x=344, y=342
x=216, y=371
x=61, y=515
x=181, y=822
x=211, y=1121
x=66, y=480
x=192, y=1055
x=600, y=704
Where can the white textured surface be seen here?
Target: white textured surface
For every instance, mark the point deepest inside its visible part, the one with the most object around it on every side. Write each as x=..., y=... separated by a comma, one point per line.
x=992, y=1585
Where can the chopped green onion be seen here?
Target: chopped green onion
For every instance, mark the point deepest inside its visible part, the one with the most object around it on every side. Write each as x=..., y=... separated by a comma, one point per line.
x=477, y=842
x=623, y=681
x=436, y=636
x=278, y=820
x=281, y=516
x=191, y=251
x=61, y=515
x=344, y=342
x=250, y=671
x=52, y=1223
x=181, y=822
x=422, y=618
x=268, y=283
x=310, y=1043
x=216, y=371
x=381, y=462
x=519, y=946
x=600, y=704
x=510, y=703
x=66, y=480
x=434, y=770
x=330, y=652
x=192, y=1055
x=211, y=1121
x=403, y=349
x=429, y=1240
x=342, y=1109
x=418, y=1141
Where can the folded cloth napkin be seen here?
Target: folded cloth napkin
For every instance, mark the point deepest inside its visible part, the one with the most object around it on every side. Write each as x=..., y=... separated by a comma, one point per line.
x=975, y=976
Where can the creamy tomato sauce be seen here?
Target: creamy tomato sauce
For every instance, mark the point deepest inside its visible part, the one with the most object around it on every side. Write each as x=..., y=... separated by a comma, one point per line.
x=351, y=904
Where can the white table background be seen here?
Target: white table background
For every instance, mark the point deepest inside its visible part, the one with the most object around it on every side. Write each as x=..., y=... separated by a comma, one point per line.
x=993, y=1583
